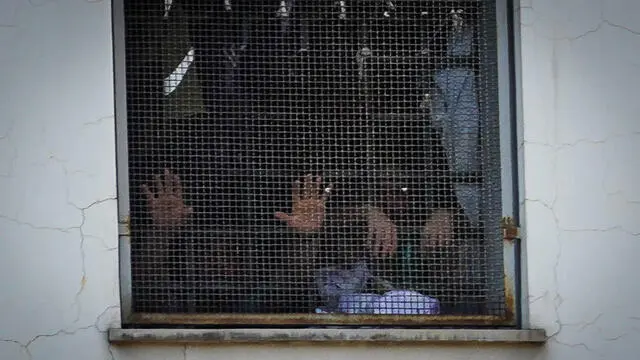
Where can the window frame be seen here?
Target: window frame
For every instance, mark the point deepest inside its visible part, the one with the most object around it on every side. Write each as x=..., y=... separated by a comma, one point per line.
x=503, y=53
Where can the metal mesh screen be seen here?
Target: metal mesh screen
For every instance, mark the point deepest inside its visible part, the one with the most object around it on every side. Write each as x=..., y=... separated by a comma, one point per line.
x=313, y=157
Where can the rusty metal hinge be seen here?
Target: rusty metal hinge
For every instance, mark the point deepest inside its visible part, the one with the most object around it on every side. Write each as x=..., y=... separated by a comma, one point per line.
x=125, y=226
x=510, y=231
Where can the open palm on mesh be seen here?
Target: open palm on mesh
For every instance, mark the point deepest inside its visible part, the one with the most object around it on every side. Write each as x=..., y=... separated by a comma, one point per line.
x=166, y=204
x=308, y=206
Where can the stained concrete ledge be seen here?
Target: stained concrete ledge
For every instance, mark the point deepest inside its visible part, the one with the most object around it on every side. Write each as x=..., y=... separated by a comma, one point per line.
x=213, y=336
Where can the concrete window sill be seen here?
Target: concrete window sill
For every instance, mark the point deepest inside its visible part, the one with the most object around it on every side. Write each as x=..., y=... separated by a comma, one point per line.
x=220, y=336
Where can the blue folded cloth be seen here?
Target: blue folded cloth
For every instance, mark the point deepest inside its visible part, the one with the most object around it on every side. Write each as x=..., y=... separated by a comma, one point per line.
x=395, y=302
x=342, y=291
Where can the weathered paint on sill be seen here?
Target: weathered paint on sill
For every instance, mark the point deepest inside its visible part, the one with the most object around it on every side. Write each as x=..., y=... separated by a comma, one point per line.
x=212, y=336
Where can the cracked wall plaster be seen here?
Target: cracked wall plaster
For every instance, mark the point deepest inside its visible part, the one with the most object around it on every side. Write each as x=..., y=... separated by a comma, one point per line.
x=581, y=203
x=57, y=205
x=580, y=72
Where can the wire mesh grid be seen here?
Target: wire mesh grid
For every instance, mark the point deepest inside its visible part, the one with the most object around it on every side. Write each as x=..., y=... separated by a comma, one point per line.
x=313, y=157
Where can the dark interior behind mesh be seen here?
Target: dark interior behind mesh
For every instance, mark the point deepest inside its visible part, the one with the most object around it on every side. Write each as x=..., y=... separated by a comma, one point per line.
x=270, y=98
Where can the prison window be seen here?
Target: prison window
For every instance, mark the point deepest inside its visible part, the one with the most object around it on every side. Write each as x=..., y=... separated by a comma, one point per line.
x=304, y=162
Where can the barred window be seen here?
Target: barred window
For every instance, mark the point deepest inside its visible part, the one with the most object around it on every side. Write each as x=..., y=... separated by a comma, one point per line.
x=313, y=162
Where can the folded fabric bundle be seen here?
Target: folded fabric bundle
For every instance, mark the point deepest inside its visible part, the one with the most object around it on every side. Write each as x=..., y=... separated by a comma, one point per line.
x=396, y=302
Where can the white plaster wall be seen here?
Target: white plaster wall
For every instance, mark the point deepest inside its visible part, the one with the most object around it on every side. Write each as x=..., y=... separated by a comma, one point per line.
x=581, y=147
x=58, y=263
x=579, y=138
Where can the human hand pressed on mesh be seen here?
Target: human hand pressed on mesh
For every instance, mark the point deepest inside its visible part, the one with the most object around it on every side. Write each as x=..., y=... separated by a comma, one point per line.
x=308, y=206
x=383, y=233
x=438, y=229
x=166, y=205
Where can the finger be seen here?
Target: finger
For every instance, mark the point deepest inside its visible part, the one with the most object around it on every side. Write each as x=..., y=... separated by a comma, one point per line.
x=384, y=239
x=295, y=191
x=327, y=192
x=391, y=241
x=168, y=181
x=384, y=243
x=371, y=240
x=282, y=216
x=394, y=233
x=308, y=186
x=147, y=193
x=376, y=235
x=158, y=184
x=317, y=185
x=377, y=242
x=177, y=185
x=382, y=246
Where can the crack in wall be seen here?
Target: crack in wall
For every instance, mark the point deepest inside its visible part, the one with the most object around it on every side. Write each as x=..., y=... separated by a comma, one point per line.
x=573, y=346
x=534, y=299
x=38, y=227
x=557, y=298
x=557, y=147
x=83, y=279
x=96, y=325
x=100, y=119
x=591, y=346
x=71, y=328
x=14, y=151
x=600, y=25
x=76, y=303
x=603, y=21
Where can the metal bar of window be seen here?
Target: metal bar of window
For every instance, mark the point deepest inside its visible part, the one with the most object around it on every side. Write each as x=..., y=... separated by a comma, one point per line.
x=513, y=14
x=508, y=153
x=122, y=159
x=265, y=320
